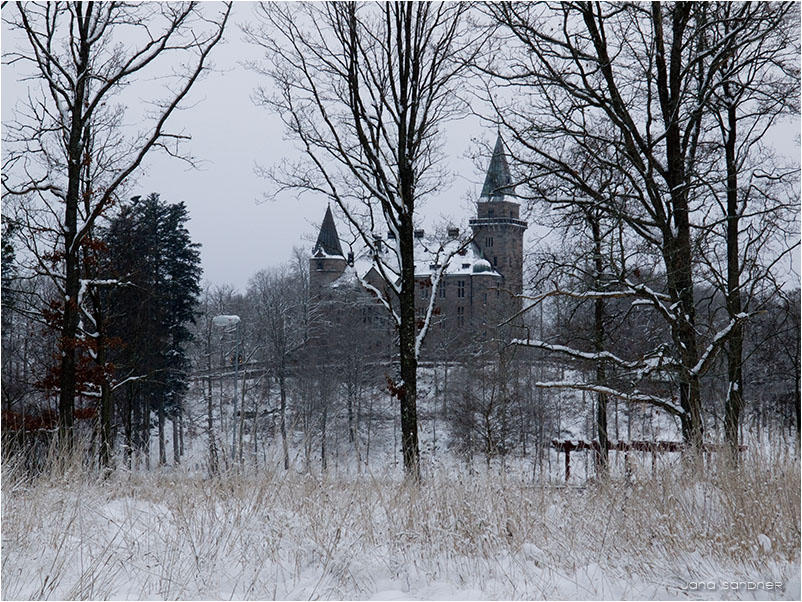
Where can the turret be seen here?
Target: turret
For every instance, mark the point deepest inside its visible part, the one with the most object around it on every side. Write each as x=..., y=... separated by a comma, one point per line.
x=498, y=230
x=327, y=262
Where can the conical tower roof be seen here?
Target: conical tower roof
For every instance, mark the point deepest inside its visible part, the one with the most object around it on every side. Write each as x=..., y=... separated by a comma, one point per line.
x=328, y=241
x=497, y=181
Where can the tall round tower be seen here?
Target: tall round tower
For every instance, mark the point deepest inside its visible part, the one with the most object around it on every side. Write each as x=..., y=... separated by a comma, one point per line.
x=498, y=228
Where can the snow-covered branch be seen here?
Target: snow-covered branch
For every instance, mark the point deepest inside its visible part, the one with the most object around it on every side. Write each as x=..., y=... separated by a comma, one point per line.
x=635, y=396
x=709, y=354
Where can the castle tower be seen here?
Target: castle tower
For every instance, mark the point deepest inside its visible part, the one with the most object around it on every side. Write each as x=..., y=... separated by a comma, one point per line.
x=327, y=262
x=498, y=230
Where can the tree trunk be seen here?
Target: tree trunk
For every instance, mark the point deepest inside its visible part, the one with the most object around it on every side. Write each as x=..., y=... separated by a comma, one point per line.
x=144, y=432
x=254, y=428
x=106, y=411
x=602, y=458
x=162, y=448
x=242, y=414
x=106, y=401
x=735, y=400
x=283, y=420
x=136, y=426
x=407, y=390
x=176, y=452
x=677, y=235
x=69, y=330
x=213, y=467
x=181, y=432
x=128, y=423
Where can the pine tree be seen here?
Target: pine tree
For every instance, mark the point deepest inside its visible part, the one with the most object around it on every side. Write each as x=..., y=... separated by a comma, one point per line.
x=152, y=253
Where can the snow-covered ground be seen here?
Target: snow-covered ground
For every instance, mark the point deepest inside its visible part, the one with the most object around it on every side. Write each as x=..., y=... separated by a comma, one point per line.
x=510, y=529
x=266, y=534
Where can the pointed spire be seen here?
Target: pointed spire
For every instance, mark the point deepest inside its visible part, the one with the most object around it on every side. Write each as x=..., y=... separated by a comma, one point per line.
x=497, y=181
x=328, y=241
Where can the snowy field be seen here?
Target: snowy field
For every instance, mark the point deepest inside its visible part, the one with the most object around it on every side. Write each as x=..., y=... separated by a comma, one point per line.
x=170, y=534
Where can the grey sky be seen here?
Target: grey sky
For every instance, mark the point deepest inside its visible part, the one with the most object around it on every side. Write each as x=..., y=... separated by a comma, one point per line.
x=230, y=135
x=240, y=234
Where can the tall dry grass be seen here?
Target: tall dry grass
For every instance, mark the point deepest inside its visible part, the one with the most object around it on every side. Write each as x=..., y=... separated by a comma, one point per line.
x=267, y=534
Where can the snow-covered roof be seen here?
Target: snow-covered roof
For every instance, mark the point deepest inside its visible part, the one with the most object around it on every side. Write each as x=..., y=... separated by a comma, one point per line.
x=349, y=278
x=430, y=254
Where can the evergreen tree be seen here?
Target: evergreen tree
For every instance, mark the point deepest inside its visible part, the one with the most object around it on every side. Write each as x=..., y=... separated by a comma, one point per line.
x=152, y=253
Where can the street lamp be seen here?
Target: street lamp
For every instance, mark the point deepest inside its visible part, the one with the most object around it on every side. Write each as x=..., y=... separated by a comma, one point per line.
x=231, y=321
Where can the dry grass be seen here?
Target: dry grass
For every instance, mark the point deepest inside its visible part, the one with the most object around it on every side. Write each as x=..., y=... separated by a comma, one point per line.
x=266, y=535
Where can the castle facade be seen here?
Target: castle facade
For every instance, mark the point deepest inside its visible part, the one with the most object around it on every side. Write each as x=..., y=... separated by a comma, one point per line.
x=479, y=283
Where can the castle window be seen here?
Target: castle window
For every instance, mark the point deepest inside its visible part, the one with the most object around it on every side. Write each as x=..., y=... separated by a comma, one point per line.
x=495, y=261
x=319, y=265
x=491, y=212
x=461, y=316
x=460, y=288
x=489, y=241
x=442, y=288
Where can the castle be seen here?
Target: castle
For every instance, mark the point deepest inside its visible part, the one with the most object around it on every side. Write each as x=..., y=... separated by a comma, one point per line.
x=479, y=282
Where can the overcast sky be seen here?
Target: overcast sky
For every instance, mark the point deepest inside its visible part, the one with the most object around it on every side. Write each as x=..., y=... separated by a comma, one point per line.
x=240, y=234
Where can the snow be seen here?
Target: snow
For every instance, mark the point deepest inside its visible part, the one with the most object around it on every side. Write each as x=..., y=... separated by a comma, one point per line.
x=431, y=255
x=275, y=535
x=320, y=253
x=469, y=532
x=225, y=320
x=349, y=278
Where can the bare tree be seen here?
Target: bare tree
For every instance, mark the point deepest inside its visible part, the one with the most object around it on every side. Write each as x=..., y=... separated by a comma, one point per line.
x=758, y=84
x=68, y=145
x=280, y=332
x=203, y=362
x=365, y=90
x=645, y=74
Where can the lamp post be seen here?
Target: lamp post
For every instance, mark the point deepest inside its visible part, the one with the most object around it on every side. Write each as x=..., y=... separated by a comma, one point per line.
x=232, y=321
